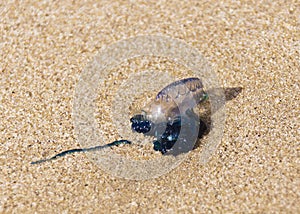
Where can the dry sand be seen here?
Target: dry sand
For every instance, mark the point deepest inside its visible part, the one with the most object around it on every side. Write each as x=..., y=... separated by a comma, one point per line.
x=45, y=47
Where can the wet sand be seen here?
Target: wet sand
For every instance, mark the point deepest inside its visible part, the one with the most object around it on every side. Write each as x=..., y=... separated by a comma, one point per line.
x=46, y=46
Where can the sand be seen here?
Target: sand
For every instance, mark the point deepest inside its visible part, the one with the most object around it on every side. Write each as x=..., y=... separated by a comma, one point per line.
x=45, y=47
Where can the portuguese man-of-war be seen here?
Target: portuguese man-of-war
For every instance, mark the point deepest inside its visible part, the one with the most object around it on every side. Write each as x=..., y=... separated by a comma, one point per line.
x=169, y=118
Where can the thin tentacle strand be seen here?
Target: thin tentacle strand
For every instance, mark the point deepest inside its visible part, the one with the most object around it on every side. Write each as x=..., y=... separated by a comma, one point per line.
x=71, y=151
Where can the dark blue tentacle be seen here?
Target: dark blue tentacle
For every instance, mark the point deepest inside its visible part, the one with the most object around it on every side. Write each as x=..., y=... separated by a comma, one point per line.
x=115, y=143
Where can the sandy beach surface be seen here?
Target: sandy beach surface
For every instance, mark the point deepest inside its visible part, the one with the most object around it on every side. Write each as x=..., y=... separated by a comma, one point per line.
x=45, y=47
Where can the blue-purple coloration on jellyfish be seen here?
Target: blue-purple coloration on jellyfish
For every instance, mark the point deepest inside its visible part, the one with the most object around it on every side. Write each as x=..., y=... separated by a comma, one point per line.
x=170, y=113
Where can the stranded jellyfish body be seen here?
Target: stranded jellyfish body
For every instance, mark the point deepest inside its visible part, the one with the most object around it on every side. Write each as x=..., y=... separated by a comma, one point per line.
x=170, y=112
